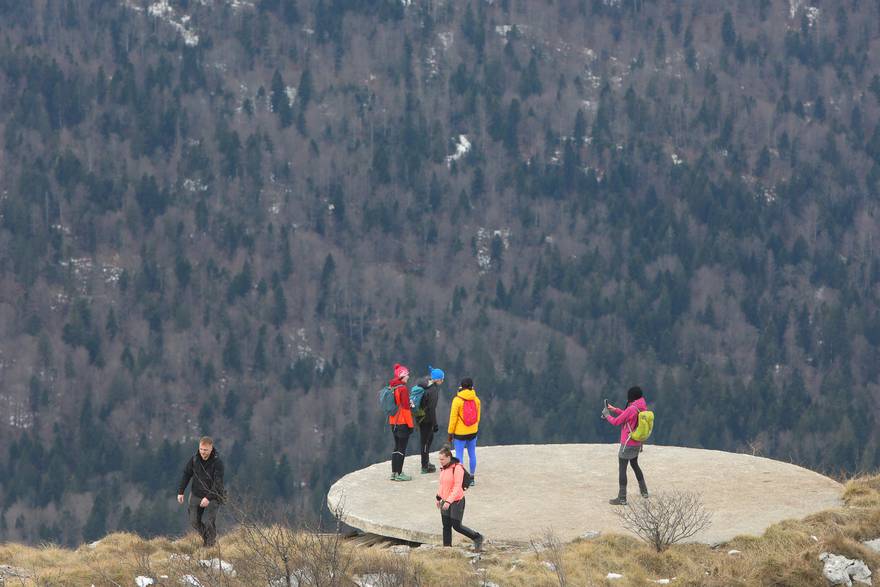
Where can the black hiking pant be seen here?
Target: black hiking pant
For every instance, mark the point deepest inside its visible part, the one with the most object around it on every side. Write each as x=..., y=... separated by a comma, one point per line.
x=451, y=519
x=204, y=520
x=401, y=434
x=426, y=437
x=640, y=477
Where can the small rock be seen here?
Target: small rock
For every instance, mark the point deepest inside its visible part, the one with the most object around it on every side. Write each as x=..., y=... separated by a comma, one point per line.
x=873, y=544
x=427, y=547
x=400, y=549
x=840, y=570
x=215, y=564
x=94, y=544
x=813, y=538
x=191, y=581
x=590, y=535
x=660, y=581
x=489, y=584
x=550, y=566
x=613, y=576
x=142, y=581
x=734, y=552
x=368, y=580
x=10, y=571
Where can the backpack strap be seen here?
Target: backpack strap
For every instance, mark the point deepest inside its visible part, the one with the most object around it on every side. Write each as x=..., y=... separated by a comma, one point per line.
x=629, y=436
x=458, y=414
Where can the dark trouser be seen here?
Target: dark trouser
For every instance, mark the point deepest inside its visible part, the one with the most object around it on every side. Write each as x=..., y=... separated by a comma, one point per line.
x=204, y=520
x=451, y=519
x=426, y=437
x=622, y=478
x=401, y=434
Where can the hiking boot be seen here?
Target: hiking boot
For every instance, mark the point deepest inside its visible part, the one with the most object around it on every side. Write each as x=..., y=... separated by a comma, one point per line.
x=617, y=501
x=402, y=477
x=645, y=494
x=429, y=468
x=478, y=543
x=393, y=477
x=473, y=482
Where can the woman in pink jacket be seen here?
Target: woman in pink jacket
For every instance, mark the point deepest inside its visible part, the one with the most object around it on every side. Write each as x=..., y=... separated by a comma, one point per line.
x=628, y=420
x=450, y=499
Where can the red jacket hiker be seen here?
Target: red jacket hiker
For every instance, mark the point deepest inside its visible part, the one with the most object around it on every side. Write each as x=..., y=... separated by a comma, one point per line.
x=401, y=398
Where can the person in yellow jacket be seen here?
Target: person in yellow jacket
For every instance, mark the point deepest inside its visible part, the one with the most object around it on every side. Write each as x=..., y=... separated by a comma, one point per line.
x=464, y=423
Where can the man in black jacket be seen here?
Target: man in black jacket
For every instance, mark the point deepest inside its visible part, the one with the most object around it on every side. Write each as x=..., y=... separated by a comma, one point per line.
x=428, y=422
x=206, y=471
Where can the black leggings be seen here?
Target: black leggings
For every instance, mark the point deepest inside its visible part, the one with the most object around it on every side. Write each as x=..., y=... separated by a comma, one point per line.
x=426, y=436
x=452, y=521
x=639, y=476
x=401, y=434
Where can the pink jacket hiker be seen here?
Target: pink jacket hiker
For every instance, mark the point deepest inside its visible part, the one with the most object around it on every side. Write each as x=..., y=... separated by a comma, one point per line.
x=628, y=420
x=451, y=477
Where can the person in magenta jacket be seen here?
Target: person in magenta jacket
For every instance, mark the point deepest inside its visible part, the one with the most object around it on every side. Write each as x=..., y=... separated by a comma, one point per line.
x=450, y=499
x=628, y=419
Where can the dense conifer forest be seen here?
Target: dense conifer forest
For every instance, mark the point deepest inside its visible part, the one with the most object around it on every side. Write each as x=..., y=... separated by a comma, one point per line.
x=232, y=217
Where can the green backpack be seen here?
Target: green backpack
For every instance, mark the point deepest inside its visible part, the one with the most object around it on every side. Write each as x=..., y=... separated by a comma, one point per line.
x=645, y=426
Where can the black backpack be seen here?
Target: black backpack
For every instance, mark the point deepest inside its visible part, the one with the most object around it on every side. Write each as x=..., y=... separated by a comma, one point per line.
x=467, y=479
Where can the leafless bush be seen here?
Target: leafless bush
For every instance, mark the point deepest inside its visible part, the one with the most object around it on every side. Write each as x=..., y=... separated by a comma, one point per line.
x=99, y=570
x=284, y=553
x=138, y=559
x=665, y=518
x=188, y=571
x=551, y=550
x=10, y=575
x=390, y=571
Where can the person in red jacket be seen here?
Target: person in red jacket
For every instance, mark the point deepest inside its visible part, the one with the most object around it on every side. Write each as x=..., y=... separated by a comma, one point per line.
x=401, y=422
x=628, y=419
x=450, y=500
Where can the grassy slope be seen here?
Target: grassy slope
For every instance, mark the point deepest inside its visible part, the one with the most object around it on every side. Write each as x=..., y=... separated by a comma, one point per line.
x=786, y=554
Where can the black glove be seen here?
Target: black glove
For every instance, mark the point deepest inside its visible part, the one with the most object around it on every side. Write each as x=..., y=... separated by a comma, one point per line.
x=436, y=428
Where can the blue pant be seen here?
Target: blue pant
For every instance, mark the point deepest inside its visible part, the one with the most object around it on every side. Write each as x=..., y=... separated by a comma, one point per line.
x=471, y=446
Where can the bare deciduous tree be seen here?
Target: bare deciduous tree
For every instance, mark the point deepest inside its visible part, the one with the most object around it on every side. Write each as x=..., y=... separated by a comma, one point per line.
x=666, y=518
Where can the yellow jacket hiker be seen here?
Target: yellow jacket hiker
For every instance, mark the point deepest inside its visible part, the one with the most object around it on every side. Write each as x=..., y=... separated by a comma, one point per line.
x=464, y=424
x=457, y=426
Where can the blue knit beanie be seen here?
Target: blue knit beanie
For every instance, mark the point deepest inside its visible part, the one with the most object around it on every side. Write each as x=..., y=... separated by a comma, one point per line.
x=436, y=374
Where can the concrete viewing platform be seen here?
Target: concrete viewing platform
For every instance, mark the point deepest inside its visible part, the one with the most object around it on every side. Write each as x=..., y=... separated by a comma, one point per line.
x=524, y=490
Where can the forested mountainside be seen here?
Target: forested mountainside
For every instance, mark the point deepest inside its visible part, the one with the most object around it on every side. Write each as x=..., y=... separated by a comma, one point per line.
x=231, y=218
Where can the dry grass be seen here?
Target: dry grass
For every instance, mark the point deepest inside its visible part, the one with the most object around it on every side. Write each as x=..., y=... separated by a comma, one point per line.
x=785, y=555
x=863, y=492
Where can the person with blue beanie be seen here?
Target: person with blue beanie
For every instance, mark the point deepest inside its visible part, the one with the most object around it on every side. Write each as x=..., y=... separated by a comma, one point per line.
x=426, y=414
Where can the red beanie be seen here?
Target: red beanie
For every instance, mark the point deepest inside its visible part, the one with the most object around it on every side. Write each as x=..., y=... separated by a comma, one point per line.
x=400, y=371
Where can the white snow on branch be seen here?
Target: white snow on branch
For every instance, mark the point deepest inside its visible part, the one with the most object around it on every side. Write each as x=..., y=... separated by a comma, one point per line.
x=461, y=149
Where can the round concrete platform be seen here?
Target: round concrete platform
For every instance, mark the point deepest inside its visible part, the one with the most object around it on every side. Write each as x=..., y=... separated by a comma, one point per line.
x=524, y=490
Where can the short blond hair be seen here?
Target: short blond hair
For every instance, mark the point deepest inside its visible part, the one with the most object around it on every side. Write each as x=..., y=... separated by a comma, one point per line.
x=207, y=440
